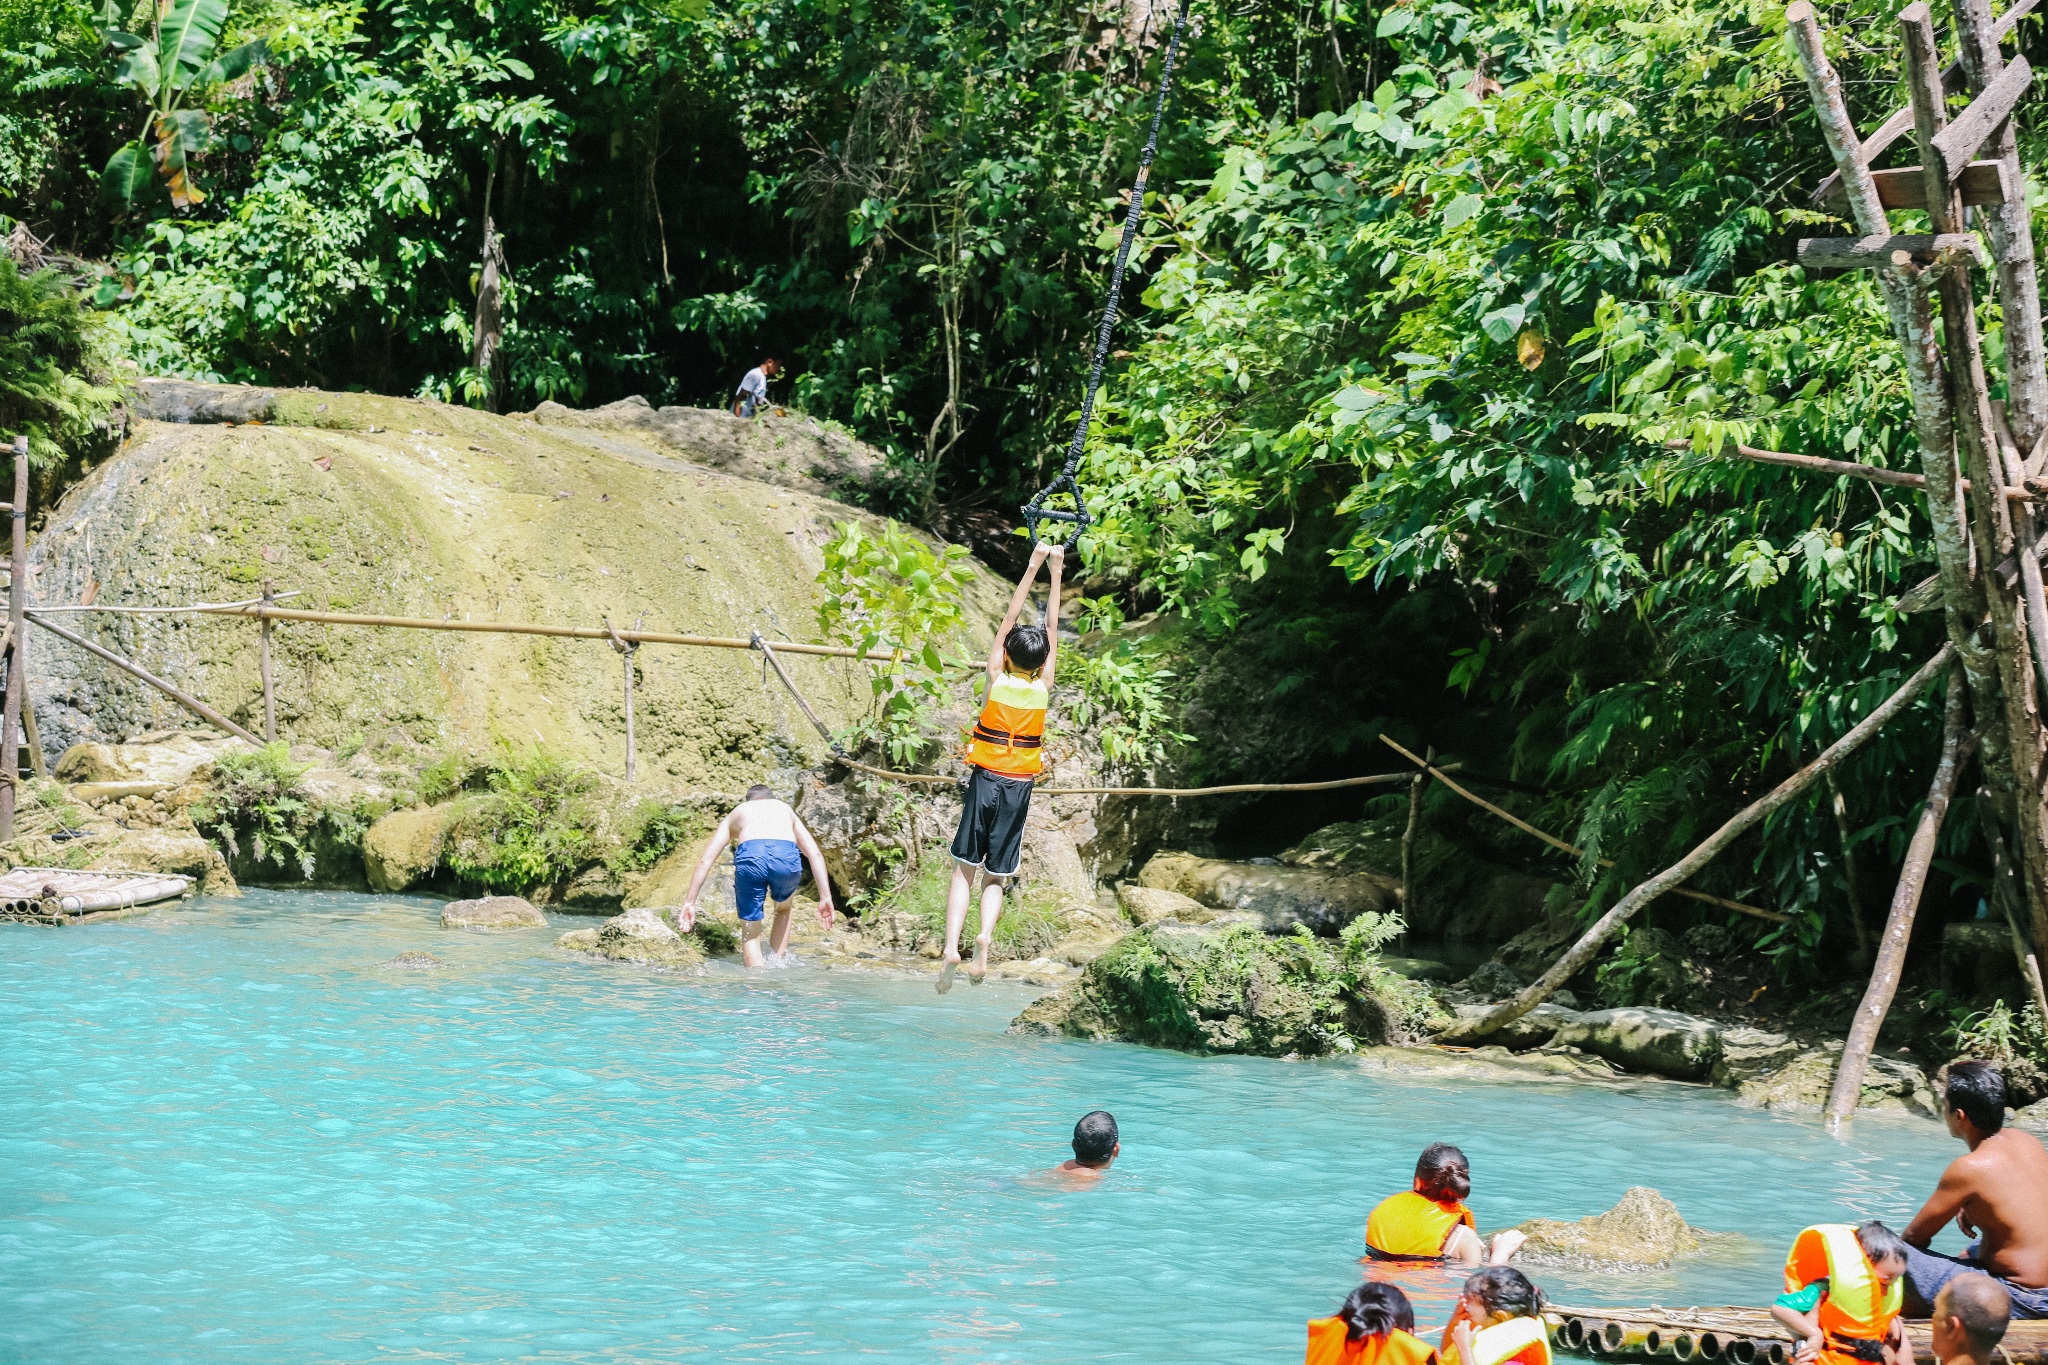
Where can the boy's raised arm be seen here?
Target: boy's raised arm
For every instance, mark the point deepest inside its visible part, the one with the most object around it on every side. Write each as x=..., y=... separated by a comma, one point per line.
x=1058, y=556
x=995, y=651
x=720, y=837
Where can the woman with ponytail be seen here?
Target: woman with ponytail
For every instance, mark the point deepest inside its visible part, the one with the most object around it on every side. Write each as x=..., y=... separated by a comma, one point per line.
x=1499, y=1319
x=1376, y=1326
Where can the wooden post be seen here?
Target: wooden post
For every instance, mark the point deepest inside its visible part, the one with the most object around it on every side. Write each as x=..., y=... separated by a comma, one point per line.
x=263, y=667
x=1415, y=785
x=627, y=649
x=1582, y=952
x=1898, y=926
x=28, y=718
x=17, y=604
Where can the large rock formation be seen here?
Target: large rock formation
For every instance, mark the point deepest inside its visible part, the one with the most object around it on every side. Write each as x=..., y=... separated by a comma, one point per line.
x=777, y=447
x=1282, y=897
x=1645, y=1230
x=637, y=936
x=374, y=505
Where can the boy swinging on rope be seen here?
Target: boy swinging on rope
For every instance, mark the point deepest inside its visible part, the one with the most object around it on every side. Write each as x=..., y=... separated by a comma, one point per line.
x=1004, y=754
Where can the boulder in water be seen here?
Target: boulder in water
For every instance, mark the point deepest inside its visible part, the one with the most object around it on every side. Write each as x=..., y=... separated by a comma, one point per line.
x=640, y=936
x=413, y=962
x=1662, y=1042
x=1644, y=1230
x=1802, y=1084
x=492, y=912
x=404, y=847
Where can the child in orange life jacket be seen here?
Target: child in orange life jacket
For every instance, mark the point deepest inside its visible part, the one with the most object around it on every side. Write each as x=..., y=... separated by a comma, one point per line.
x=1842, y=1296
x=1499, y=1319
x=1004, y=754
x=1376, y=1326
x=1431, y=1222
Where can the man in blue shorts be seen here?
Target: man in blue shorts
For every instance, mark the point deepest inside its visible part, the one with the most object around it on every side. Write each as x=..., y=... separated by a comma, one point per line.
x=770, y=848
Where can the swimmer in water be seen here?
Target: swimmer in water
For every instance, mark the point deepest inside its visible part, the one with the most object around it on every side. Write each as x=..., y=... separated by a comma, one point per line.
x=1095, y=1150
x=770, y=847
x=1430, y=1223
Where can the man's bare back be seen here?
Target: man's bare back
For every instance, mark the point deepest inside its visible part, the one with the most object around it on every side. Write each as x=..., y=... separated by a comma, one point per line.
x=1997, y=1191
x=769, y=819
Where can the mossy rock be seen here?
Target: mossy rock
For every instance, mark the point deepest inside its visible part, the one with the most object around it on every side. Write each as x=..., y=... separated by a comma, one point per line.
x=405, y=847
x=1232, y=990
x=637, y=936
x=1645, y=1230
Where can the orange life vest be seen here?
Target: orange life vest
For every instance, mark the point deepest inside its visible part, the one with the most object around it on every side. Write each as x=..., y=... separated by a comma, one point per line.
x=1009, y=738
x=1852, y=1311
x=1329, y=1343
x=1412, y=1227
x=1523, y=1339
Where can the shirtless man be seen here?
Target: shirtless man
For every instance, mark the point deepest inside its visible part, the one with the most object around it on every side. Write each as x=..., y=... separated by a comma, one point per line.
x=1997, y=1193
x=1096, y=1147
x=770, y=847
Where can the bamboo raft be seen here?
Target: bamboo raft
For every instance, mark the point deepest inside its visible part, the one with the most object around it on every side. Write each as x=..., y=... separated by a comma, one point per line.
x=1728, y=1336
x=58, y=895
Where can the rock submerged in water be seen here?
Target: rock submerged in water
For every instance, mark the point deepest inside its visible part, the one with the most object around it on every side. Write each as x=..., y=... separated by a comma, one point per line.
x=640, y=936
x=1644, y=1231
x=413, y=962
x=492, y=912
x=1282, y=897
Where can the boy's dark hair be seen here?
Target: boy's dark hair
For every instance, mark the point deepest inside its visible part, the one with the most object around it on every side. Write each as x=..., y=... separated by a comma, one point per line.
x=1880, y=1243
x=759, y=792
x=1504, y=1289
x=1095, y=1138
x=1978, y=1089
x=1375, y=1309
x=1445, y=1174
x=1984, y=1308
x=1026, y=647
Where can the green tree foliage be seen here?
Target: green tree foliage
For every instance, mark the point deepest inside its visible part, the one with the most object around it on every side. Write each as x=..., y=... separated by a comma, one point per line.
x=171, y=68
x=48, y=363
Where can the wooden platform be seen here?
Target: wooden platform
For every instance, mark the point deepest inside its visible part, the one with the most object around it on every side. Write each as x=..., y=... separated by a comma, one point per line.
x=58, y=895
x=1728, y=1336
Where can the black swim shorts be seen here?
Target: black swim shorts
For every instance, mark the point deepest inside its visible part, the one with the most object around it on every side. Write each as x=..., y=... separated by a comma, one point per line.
x=992, y=822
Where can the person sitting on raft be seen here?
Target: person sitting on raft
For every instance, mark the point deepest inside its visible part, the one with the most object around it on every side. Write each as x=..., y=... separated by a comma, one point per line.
x=1842, y=1296
x=1376, y=1326
x=770, y=847
x=1430, y=1222
x=1499, y=1319
x=1971, y=1313
x=1996, y=1192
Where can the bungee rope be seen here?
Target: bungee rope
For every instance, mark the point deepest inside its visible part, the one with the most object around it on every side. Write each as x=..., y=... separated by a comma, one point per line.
x=1036, y=512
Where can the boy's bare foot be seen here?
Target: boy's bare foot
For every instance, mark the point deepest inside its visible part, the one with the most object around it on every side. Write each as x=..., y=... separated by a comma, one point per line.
x=948, y=965
x=979, y=967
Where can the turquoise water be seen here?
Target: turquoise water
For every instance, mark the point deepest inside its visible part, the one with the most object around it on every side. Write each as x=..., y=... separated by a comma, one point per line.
x=227, y=1134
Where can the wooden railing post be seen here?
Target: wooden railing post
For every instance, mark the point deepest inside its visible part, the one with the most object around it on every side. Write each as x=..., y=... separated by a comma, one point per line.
x=17, y=604
x=263, y=667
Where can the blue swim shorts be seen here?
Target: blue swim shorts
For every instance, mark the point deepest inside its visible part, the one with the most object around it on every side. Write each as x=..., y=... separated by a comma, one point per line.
x=764, y=870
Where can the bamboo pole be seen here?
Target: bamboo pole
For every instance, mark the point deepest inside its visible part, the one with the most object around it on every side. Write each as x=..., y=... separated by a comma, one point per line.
x=638, y=637
x=1848, y=469
x=263, y=669
x=1772, y=915
x=1898, y=925
x=17, y=602
x=184, y=699
x=1415, y=785
x=1581, y=953
x=626, y=651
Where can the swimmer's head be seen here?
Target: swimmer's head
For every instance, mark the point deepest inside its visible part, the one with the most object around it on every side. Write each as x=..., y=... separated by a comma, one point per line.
x=1025, y=647
x=1442, y=1174
x=1095, y=1140
x=758, y=792
x=1500, y=1292
x=1375, y=1309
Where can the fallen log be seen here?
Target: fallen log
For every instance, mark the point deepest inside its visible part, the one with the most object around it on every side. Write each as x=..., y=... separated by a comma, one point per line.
x=1956, y=746
x=1581, y=953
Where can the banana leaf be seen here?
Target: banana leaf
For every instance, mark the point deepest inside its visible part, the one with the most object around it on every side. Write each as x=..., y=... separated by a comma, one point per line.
x=187, y=39
x=128, y=176
x=252, y=53
x=138, y=68
x=180, y=134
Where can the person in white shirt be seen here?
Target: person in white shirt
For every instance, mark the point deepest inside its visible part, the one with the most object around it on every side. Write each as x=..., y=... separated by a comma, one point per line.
x=752, y=394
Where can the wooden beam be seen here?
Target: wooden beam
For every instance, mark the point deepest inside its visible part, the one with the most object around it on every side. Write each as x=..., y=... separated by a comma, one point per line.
x=1901, y=187
x=184, y=699
x=1957, y=146
x=1900, y=248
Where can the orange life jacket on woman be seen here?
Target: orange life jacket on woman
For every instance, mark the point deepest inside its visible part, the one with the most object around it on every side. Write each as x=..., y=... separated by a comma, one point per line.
x=1009, y=738
x=1852, y=1311
x=1412, y=1227
x=1329, y=1343
x=1524, y=1340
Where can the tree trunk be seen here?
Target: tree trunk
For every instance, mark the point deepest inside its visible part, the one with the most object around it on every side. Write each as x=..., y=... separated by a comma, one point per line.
x=1898, y=926
x=1589, y=943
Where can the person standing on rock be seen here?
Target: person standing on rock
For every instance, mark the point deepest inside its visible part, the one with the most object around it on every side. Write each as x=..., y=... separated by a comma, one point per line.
x=769, y=849
x=1005, y=753
x=752, y=394
x=1996, y=1192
